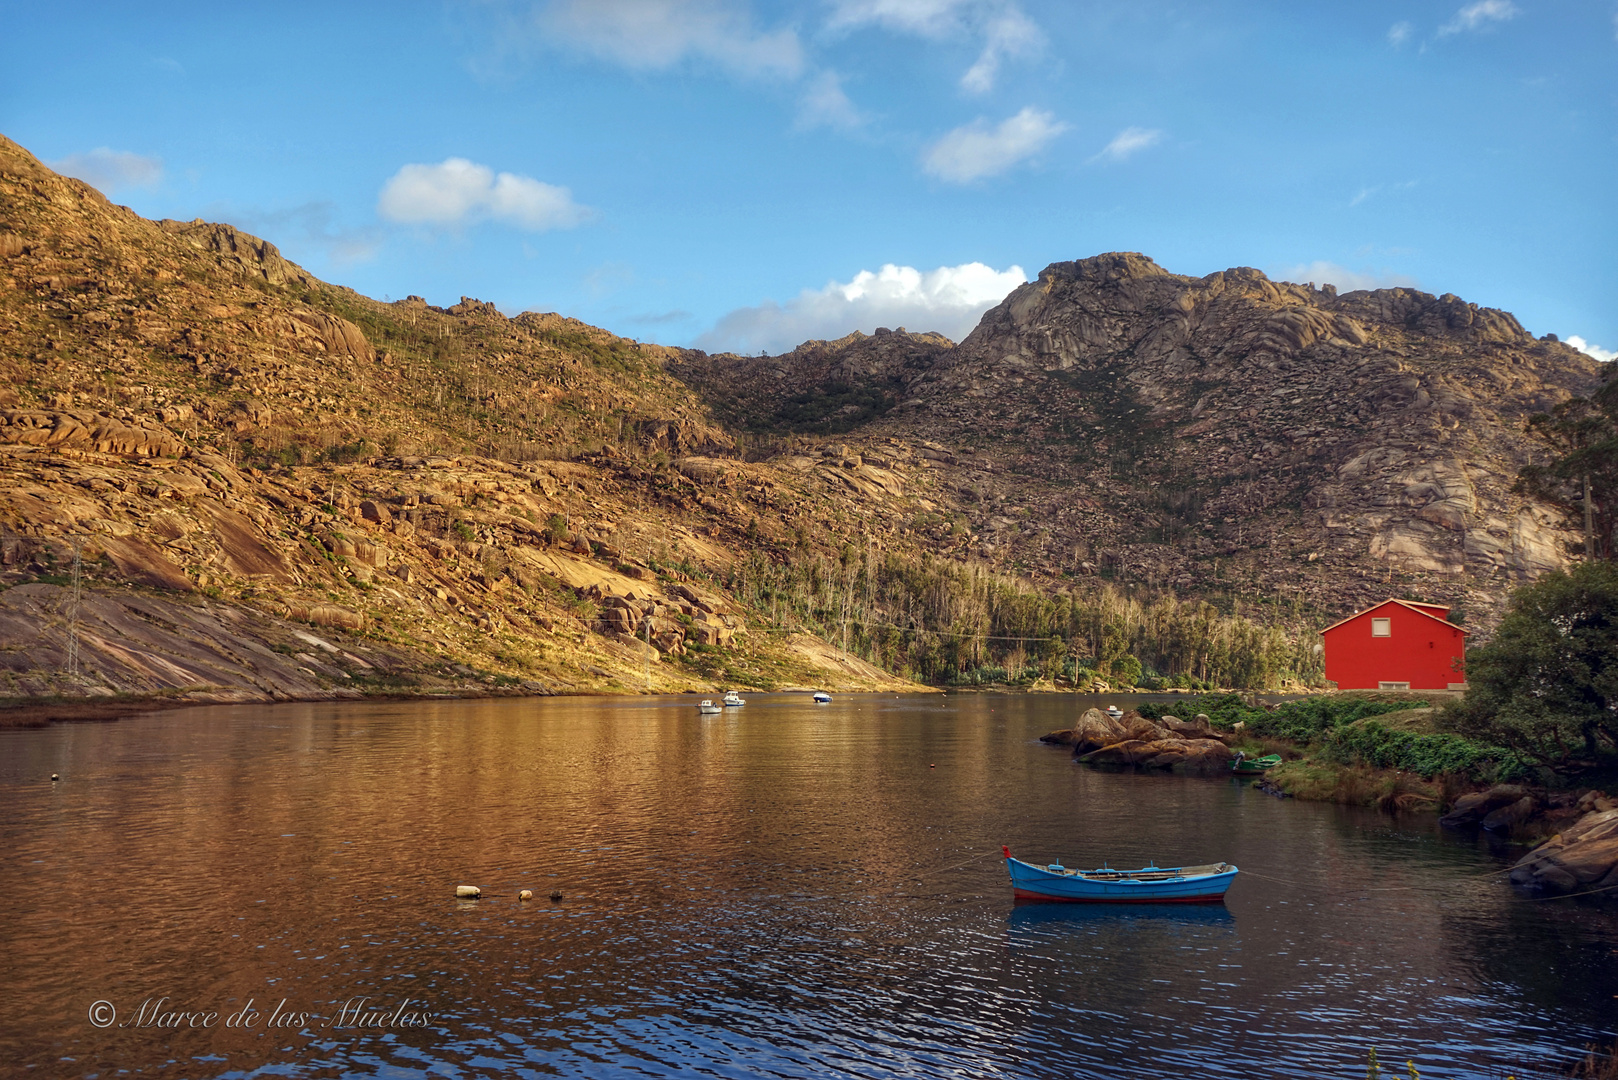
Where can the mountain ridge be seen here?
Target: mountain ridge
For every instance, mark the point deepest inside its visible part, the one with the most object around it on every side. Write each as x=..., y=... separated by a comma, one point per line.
x=1378, y=431
x=410, y=498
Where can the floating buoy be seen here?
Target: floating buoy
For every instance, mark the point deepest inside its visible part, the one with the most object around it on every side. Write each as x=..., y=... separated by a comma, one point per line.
x=556, y=896
x=467, y=892
x=54, y=778
x=932, y=766
x=526, y=894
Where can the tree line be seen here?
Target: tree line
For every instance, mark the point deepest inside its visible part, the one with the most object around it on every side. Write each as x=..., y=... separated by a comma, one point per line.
x=944, y=622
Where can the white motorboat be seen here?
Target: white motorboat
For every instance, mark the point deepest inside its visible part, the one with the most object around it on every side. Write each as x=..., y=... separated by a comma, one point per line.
x=706, y=706
x=821, y=697
x=732, y=699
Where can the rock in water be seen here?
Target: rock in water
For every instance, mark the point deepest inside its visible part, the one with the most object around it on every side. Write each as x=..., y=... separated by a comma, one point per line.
x=1475, y=807
x=1583, y=857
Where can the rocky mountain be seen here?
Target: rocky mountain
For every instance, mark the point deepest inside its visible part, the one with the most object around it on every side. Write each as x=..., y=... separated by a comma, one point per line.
x=222, y=478
x=821, y=387
x=266, y=486
x=1270, y=441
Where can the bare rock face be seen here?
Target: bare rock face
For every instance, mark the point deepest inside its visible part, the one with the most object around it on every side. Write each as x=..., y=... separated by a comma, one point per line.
x=329, y=334
x=92, y=430
x=1187, y=431
x=237, y=250
x=1584, y=856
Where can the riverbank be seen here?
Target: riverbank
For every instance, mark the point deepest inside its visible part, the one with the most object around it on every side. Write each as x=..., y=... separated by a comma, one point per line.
x=100, y=653
x=1378, y=752
x=19, y=714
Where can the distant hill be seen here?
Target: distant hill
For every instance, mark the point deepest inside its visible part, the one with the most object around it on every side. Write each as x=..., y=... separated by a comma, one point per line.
x=1224, y=434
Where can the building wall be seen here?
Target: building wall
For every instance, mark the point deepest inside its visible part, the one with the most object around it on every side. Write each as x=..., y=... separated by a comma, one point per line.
x=1418, y=650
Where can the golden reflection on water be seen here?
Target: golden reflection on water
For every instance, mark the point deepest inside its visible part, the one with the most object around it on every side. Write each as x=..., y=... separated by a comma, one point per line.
x=783, y=888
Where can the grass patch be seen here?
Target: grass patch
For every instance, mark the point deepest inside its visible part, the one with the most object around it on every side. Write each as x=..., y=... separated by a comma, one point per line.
x=1356, y=785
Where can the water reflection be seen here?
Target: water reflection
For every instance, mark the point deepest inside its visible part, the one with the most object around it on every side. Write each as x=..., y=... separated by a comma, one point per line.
x=1034, y=915
x=784, y=889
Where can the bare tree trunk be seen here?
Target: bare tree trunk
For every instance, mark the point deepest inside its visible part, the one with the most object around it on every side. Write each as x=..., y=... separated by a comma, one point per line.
x=1589, y=521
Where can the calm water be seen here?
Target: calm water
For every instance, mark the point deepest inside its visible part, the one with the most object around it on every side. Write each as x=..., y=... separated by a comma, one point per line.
x=787, y=890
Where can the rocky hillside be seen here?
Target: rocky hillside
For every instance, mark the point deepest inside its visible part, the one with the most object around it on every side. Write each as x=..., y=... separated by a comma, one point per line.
x=1221, y=436
x=267, y=486
x=223, y=478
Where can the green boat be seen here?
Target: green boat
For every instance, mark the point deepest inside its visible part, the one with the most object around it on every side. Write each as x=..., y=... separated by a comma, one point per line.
x=1242, y=765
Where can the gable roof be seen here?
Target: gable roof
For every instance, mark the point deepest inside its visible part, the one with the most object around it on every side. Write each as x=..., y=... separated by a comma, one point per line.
x=1414, y=605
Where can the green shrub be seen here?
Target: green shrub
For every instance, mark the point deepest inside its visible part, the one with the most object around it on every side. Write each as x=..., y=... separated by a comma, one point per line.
x=1301, y=721
x=1371, y=743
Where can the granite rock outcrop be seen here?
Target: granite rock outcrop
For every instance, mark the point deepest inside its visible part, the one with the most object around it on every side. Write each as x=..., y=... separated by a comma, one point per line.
x=1197, y=433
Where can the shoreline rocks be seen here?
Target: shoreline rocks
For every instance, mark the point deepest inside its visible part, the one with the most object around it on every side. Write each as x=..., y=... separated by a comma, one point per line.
x=1181, y=755
x=1520, y=810
x=1132, y=739
x=1581, y=858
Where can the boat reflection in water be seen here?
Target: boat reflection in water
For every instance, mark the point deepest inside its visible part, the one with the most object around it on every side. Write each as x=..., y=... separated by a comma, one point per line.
x=1042, y=914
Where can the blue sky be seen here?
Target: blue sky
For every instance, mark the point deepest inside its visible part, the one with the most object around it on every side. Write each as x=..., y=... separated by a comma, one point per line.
x=746, y=175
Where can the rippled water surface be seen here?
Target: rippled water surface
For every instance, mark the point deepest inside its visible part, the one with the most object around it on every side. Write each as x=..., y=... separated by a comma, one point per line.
x=785, y=890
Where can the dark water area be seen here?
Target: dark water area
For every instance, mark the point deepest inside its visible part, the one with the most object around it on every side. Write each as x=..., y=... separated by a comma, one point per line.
x=785, y=890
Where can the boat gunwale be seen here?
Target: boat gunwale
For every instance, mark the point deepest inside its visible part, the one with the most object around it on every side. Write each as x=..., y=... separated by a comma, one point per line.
x=1146, y=875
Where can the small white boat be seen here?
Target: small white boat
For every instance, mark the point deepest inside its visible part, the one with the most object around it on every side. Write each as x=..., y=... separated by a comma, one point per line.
x=1115, y=712
x=706, y=706
x=732, y=699
x=821, y=697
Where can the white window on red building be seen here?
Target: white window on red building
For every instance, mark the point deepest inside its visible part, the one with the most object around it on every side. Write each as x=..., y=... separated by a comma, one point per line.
x=1381, y=627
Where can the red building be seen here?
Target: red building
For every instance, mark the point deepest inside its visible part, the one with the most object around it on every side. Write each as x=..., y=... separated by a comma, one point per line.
x=1396, y=645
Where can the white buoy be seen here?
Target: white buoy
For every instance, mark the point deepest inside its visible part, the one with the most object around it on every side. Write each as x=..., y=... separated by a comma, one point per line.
x=467, y=892
x=54, y=778
x=526, y=894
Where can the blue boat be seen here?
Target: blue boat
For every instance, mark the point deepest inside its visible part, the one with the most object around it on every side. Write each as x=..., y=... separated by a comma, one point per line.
x=1204, y=884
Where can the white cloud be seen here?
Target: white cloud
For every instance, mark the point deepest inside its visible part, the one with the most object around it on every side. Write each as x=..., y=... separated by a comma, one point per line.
x=1373, y=190
x=824, y=104
x=930, y=18
x=1346, y=280
x=1129, y=142
x=1399, y=33
x=111, y=170
x=1010, y=34
x=658, y=34
x=1005, y=30
x=949, y=300
x=459, y=192
x=1588, y=349
x=1477, y=16
x=977, y=150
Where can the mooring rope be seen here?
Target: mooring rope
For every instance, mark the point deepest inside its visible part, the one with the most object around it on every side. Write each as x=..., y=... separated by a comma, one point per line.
x=1464, y=877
